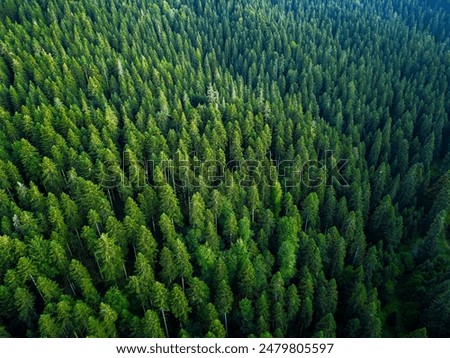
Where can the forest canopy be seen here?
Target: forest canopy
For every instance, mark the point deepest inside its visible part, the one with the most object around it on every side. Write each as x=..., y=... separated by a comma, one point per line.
x=212, y=168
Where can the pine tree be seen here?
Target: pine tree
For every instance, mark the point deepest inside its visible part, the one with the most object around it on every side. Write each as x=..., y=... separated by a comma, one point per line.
x=224, y=300
x=151, y=327
x=179, y=304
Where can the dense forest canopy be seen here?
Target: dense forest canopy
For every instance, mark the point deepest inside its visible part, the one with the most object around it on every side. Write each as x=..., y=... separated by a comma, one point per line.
x=212, y=168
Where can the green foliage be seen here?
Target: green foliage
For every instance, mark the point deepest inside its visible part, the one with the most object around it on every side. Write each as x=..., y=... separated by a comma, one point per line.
x=151, y=327
x=178, y=170
x=179, y=304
